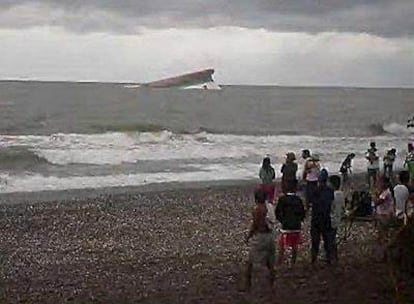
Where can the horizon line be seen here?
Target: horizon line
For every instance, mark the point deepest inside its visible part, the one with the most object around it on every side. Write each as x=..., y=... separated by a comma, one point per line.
x=130, y=82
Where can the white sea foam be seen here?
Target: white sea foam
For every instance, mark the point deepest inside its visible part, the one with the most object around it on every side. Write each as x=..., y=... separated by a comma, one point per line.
x=206, y=155
x=10, y=184
x=116, y=148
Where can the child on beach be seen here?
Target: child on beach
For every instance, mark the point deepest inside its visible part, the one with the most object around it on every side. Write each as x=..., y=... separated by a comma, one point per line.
x=289, y=169
x=290, y=212
x=262, y=246
x=267, y=176
x=337, y=212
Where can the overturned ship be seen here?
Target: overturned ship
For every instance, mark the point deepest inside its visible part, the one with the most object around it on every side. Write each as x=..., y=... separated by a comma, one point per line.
x=196, y=80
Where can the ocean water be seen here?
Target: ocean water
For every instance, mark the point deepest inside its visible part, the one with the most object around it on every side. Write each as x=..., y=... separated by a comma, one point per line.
x=56, y=136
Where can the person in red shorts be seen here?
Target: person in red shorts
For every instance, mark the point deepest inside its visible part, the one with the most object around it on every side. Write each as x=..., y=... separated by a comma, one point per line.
x=290, y=212
x=267, y=176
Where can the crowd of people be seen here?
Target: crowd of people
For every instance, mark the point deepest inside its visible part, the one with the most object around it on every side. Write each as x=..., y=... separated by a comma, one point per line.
x=279, y=212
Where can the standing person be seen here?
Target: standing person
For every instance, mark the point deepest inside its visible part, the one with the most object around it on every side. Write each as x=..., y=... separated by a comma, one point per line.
x=389, y=159
x=373, y=165
x=384, y=212
x=346, y=170
x=337, y=211
x=401, y=195
x=262, y=247
x=310, y=175
x=289, y=170
x=290, y=212
x=321, y=218
x=267, y=176
x=409, y=161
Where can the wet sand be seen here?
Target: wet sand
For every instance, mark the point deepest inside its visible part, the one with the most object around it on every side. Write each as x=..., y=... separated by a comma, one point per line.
x=182, y=245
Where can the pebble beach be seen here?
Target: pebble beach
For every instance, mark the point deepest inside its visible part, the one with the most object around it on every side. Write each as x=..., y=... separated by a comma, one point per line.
x=181, y=245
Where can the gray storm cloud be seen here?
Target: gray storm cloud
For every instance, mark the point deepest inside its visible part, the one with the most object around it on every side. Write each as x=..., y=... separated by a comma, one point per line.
x=388, y=18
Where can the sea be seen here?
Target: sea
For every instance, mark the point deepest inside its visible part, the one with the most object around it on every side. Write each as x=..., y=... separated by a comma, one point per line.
x=62, y=135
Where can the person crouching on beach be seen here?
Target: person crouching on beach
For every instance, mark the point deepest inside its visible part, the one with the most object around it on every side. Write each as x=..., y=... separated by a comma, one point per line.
x=262, y=246
x=290, y=212
x=267, y=176
x=289, y=170
x=321, y=218
x=337, y=212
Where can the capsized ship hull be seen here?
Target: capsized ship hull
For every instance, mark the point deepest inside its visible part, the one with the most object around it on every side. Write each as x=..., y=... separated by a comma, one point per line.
x=201, y=79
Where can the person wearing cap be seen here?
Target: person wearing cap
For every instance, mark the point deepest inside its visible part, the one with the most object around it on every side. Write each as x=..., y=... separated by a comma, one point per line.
x=289, y=170
x=310, y=175
x=321, y=218
x=373, y=165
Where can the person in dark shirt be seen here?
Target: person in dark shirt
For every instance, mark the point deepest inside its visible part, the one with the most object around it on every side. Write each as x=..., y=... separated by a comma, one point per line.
x=346, y=169
x=289, y=169
x=262, y=246
x=290, y=212
x=321, y=219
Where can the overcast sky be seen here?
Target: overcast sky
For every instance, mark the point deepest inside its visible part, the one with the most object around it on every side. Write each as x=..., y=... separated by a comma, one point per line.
x=280, y=42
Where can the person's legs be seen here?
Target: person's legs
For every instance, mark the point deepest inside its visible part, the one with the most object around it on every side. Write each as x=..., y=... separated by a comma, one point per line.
x=327, y=244
x=271, y=269
x=411, y=171
x=369, y=178
x=334, y=245
x=294, y=254
x=315, y=240
x=311, y=188
x=248, y=275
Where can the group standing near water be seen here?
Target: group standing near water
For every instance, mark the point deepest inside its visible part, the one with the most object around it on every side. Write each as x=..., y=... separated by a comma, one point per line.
x=324, y=197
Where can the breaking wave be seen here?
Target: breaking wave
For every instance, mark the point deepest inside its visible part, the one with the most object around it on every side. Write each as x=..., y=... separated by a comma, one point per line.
x=20, y=158
x=390, y=128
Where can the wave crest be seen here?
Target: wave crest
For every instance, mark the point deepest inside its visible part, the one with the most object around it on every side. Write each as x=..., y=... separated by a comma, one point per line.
x=390, y=128
x=12, y=158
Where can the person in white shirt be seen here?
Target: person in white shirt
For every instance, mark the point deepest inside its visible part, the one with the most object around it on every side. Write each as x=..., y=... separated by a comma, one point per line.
x=373, y=165
x=311, y=171
x=401, y=195
x=337, y=211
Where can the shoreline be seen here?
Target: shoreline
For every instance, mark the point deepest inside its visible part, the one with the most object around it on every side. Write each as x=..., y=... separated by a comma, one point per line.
x=92, y=193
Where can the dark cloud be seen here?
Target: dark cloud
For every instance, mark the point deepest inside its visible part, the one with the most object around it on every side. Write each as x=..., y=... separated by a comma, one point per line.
x=392, y=18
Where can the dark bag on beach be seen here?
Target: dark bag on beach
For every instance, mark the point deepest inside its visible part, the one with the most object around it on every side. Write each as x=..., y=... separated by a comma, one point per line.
x=361, y=203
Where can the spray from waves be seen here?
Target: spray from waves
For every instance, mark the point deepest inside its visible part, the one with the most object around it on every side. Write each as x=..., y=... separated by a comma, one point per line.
x=397, y=129
x=20, y=158
x=390, y=129
x=119, y=127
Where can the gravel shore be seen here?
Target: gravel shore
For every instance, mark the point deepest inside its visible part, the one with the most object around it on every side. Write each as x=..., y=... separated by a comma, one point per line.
x=184, y=245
